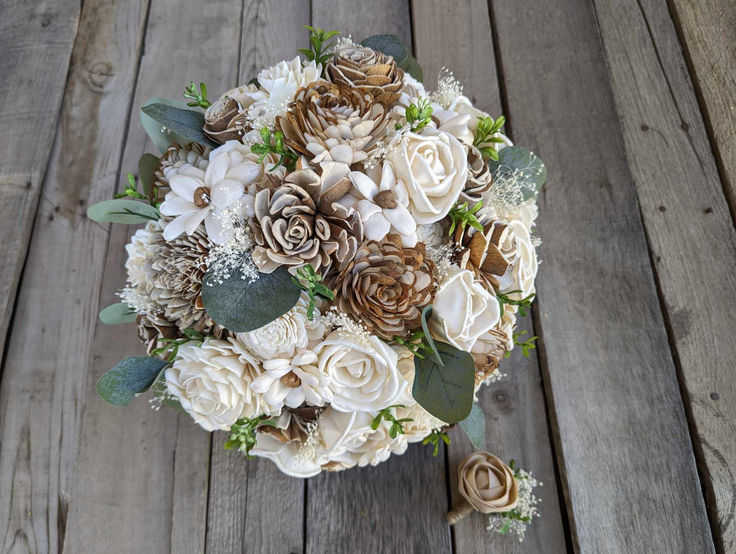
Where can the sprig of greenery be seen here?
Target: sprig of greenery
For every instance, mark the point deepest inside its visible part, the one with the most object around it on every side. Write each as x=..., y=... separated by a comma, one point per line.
x=526, y=346
x=131, y=190
x=484, y=139
x=523, y=304
x=397, y=425
x=415, y=343
x=418, y=115
x=198, y=97
x=243, y=433
x=287, y=158
x=310, y=281
x=436, y=438
x=461, y=215
x=320, y=50
x=172, y=345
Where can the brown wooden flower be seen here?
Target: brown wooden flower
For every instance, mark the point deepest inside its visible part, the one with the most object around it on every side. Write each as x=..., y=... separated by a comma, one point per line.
x=386, y=286
x=479, y=177
x=368, y=71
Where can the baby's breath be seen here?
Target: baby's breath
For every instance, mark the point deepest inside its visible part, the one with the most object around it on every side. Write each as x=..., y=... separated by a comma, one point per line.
x=518, y=519
x=448, y=89
x=442, y=258
x=234, y=255
x=139, y=302
x=347, y=328
x=308, y=449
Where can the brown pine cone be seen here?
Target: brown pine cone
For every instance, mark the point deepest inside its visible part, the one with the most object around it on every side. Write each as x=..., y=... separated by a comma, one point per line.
x=478, y=251
x=386, y=286
x=479, y=178
x=178, y=159
x=368, y=71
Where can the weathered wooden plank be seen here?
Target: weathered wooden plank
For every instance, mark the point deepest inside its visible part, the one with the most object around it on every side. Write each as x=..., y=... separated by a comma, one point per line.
x=691, y=234
x=706, y=30
x=44, y=374
x=157, y=498
x=458, y=36
x=628, y=463
x=364, y=19
x=399, y=505
x=37, y=40
x=253, y=507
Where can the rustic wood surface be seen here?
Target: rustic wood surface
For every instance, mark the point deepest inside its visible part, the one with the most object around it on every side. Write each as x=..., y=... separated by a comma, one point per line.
x=626, y=412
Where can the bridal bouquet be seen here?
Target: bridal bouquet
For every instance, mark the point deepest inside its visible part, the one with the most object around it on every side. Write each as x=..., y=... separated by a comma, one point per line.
x=332, y=262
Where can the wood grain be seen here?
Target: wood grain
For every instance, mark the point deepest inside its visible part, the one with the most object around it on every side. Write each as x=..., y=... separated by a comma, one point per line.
x=627, y=455
x=141, y=476
x=43, y=379
x=253, y=507
x=706, y=29
x=690, y=231
x=458, y=36
x=37, y=40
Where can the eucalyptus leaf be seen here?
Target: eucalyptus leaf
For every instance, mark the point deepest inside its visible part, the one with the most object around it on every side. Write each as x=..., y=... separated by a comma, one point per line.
x=243, y=305
x=128, y=378
x=147, y=166
x=392, y=46
x=521, y=165
x=115, y=314
x=426, y=314
x=183, y=125
x=123, y=210
x=474, y=427
x=445, y=391
x=162, y=139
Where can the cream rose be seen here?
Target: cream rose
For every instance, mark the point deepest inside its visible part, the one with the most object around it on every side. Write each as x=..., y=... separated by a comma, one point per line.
x=463, y=310
x=487, y=483
x=517, y=247
x=433, y=167
x=284, y=335
x=287, y=456
x=212, y=383
x=364, y=374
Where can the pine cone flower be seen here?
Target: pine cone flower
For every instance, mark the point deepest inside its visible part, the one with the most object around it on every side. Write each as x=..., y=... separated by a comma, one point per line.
x=479, y=177
x=299, y=223
x=151, y=328
x=479, y=251
x=190, y=159
x=386, y=286
x=225, y=119
x=330, y=122
x=367, y=71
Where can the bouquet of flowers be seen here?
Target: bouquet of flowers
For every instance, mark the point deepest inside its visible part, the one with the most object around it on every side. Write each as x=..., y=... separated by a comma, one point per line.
x=332, y=262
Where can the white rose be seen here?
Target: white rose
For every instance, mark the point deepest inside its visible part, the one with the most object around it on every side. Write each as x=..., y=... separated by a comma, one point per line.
x=363, y=375
x=140, y=253
x=433, y=167
x=517, y=247
x=349, y=439
x=463, y=310
x=293, y=381
x=212, y=383
x=463, y=106
x=284, y=335
x=526, y=212
x=498, y=340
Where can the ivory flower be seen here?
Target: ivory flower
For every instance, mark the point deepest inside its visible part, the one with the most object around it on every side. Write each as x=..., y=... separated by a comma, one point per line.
x=284, y=335
x=213, y=383
x=293, y=381
x=382, y=203
x=433, y=166
x=197, y=198
x=517, y=247
x=287, y=456
x=363, y=374
x=463, y=310
x=487, y=483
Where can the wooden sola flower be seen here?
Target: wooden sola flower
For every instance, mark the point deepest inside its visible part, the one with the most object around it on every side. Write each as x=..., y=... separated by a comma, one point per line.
x=386, y=286
x=367, y=71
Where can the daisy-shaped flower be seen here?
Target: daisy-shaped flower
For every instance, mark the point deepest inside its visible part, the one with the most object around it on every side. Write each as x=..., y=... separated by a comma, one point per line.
x=293, y=381
x=382, y=202
x=197, y=197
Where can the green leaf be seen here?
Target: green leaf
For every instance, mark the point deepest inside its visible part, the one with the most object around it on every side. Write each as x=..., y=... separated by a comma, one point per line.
x=147, y=166
x=185, y=125
x=122, y=210
x=520, y=164
x=116, y=314
x=426, y=314
x=161, y=139
x=392, y=46
x=446, y=391
x=129, y=378
x=242, y=305
x=475, y=427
